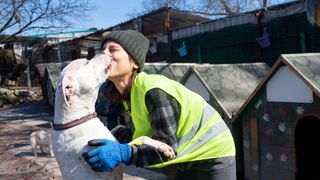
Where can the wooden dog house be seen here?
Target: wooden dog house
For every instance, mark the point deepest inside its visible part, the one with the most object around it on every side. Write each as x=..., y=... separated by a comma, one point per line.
x=226, y=87
x=281, y=119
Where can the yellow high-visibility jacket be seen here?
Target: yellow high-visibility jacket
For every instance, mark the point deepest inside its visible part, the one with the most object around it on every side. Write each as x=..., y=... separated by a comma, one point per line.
x=201, y=133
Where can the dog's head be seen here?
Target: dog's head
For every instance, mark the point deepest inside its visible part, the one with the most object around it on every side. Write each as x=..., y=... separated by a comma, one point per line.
x=79, y=81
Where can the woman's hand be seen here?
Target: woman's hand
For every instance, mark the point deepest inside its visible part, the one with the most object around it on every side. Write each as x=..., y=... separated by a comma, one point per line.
x=107, y=155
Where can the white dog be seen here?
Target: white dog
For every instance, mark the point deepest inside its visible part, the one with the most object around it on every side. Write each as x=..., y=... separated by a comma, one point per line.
x=75, y=122
x=41, y=139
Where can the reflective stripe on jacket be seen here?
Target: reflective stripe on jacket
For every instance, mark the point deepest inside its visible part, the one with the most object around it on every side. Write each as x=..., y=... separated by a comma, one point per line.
x=201, y=132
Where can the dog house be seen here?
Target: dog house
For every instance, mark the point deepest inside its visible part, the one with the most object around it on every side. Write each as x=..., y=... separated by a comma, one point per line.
x=226, y=87
x=281, y=120
x=50, y=79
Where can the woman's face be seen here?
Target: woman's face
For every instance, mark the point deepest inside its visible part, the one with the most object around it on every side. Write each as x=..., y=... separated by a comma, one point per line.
x=122, y=64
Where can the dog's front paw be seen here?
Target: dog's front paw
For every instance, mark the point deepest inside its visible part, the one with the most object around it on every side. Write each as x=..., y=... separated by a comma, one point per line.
x=160, y=146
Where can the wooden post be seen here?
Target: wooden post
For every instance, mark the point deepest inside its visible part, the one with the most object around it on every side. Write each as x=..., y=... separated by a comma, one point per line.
x=199, y=54
x=255, y=165
x=27, y=64
x=168, y=32
x=265, y=3
x=259, y=16
x=59, y=51
x=303, y=42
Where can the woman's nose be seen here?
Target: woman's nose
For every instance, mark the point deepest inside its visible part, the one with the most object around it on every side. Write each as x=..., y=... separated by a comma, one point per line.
x=106, y=51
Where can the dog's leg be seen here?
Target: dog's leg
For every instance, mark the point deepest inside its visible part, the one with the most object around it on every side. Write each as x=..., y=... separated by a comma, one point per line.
x=162, y=147
x=33, y=145
x=35, y=151
x=42, y=149
x=50, y=141
x=51, y=151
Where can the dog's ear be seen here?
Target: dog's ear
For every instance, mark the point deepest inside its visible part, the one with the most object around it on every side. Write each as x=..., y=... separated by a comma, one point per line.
x=68, y=88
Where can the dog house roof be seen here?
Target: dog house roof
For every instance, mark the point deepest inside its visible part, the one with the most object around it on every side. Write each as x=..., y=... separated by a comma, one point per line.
x=53, y=70
x=173, y=71
x=228, y=84
x=305, y=65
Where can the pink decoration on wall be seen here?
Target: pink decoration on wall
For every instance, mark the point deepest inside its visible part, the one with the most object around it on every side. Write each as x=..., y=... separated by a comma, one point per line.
x=285, y=112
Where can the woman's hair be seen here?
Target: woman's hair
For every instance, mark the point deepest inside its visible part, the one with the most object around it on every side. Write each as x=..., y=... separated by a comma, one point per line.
x=114, y=95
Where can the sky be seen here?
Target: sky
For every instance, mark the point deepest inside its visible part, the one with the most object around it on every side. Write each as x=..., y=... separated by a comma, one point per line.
x=111, y=12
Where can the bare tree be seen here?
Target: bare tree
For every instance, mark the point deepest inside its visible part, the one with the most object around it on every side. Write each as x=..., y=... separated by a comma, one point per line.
x=17, y=16
x=204, y=7
x=210, y=7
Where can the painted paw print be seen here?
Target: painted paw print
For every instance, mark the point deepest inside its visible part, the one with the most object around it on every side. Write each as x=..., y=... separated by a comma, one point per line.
x=259, y=103
x=282, y=127
x=266, y=117
x=283, y=157
x=300, y=110
x=269, y=156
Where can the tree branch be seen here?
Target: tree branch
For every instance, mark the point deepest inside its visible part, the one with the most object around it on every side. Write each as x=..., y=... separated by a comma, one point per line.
x=14, y=13
x=226, y=6
x=42, y=14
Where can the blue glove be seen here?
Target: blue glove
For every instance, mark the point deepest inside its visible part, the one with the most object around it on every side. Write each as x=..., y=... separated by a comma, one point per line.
x=107, y=155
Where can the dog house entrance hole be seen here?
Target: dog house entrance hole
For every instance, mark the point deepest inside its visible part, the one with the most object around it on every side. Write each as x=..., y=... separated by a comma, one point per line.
x=307, y=148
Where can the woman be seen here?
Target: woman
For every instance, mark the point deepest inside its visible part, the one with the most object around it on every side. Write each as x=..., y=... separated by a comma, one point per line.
x=165, y=111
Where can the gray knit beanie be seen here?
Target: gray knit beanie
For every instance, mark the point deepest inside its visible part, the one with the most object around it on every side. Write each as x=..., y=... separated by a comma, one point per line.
x=135, y=43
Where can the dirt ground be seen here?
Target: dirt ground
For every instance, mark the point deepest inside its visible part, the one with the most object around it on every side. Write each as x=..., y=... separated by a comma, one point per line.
x=16, y=157
x=16, y=165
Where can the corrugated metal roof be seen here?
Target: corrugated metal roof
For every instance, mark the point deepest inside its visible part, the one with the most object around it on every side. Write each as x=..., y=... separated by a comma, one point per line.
x=158, y=21
x=161, y=20
x=240, y=19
